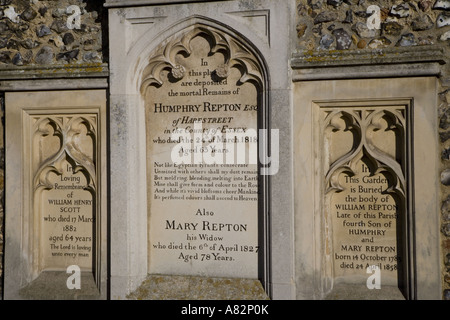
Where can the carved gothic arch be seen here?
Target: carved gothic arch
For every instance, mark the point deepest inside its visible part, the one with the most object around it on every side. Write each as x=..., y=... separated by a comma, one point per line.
x=236, y=55
x=145, y=48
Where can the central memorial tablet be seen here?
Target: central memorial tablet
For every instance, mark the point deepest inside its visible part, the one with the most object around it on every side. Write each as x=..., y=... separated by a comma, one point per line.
x=201, y=100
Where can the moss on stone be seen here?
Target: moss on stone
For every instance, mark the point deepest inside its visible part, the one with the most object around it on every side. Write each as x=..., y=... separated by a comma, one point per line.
x=163, y=287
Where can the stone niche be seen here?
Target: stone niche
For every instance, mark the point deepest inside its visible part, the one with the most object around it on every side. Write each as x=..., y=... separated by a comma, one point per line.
x=366, y=193
x=369, y=210
x=56, y=194
x=202, y=92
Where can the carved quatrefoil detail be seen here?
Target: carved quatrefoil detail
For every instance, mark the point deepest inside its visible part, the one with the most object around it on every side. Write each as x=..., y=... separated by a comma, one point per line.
x=236, y=55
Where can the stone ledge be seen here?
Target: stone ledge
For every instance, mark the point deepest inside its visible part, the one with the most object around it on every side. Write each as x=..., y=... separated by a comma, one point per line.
x=164, y=287
x=349, y=64
x=358, y=292
x=339, y=58
x=87, y=70
x=52, y=285
x=368, y=71
x=379, y=63
x=131, y=3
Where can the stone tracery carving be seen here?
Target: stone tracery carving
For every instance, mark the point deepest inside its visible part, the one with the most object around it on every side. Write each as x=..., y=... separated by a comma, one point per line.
x=363, y=124
x=236, y=55
x=68, y=130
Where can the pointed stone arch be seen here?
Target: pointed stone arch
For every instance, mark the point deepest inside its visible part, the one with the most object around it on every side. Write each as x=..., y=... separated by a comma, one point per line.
x=239, y=56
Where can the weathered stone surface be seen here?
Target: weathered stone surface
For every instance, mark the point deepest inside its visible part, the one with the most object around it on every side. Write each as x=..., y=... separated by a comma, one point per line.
x=59, y=26
x=90, y=44
x=28, y=14
x=325, y=42
x=362, y=14
x=401, y=10
x=343, y=39
x=25, y=25
x=44, y=55
x=424, y=5
x=29, y=43
x=11, y=14
x=68, y=38
x=17, y=59
x=12, y=44
x=442, y=5
x=421, y=23
x=3, y=27
x=58, y=12
x=447, y=294
x=91, y=57
x=445, y=36
x=443, y=19
x=43, y=30
x=445, y=177
x=361, y=44
x=445, y=209
x=381, y=42
x=446, y=154
x=52, y=286
x=68, y=56
x=444, y=122
x=355, y=292
x=444, y=136
x=392, y=28
x=160, y=287
x=325, y=16
x=407, y=40
x=28, y=56
x=315, y=4
x=363, y=31
x=348, y=16
x=334, y=3
x=446, y=229
x=5, y=56
x=57, y=41
x=42, y=11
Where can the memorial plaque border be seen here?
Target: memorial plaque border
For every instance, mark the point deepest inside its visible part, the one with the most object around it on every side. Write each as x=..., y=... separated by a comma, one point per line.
x=249, y=60
x=67, y=151
x=323, y=185
x=22, y=235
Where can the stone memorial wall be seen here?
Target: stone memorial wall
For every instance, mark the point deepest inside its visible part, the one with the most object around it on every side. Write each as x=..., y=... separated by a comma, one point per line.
x=134, y=126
